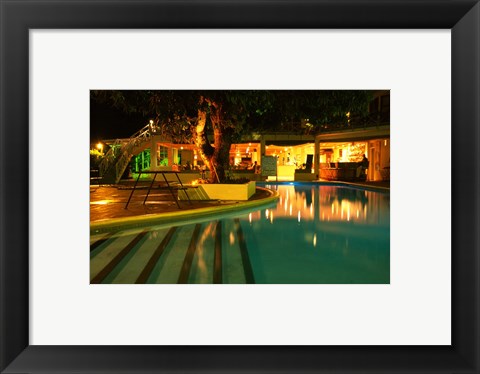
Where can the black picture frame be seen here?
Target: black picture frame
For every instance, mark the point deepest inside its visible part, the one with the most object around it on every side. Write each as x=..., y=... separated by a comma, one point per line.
x=19, y=16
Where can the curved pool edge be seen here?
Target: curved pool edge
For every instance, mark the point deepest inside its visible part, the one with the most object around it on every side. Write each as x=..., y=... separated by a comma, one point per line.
x=332, y=183
x=179, y=216
x=364, y=186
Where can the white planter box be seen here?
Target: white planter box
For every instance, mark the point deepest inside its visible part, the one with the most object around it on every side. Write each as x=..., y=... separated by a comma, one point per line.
x=219, y=192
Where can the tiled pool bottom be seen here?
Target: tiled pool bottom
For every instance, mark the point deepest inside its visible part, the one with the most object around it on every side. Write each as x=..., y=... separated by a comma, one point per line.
x=315, y=234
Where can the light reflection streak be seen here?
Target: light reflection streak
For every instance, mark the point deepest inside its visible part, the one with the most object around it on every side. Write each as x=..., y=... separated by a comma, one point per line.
x=333, y=204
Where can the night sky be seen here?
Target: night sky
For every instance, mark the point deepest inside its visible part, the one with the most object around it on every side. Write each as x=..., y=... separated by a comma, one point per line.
x=109, y=123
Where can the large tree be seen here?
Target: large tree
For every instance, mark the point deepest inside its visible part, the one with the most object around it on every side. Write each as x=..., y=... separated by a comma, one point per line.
x=190, y=116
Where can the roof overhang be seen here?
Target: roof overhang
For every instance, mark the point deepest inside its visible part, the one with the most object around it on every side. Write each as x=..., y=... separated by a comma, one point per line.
x=355, y=134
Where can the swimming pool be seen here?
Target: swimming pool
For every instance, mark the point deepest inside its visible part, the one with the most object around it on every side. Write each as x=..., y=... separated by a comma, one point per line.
x=314, y=234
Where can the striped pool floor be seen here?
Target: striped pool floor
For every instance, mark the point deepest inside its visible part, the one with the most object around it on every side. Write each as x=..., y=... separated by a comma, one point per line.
x=195, y=253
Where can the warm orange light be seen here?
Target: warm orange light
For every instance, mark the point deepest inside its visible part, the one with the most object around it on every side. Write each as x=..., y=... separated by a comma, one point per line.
x=101, y=202
x=100, y=146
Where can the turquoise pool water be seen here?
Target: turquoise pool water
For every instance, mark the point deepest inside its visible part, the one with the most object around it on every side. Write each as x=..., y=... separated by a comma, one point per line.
x=314, y=234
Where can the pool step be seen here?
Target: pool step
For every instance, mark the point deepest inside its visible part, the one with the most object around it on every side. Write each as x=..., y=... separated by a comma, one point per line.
x=117, y=258
x=247, y=266
x=147, y=271
x=213, y=252
x=187, y=263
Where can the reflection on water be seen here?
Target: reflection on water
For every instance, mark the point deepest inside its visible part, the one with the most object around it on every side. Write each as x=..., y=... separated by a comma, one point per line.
x=328, y=203
x=321, y=234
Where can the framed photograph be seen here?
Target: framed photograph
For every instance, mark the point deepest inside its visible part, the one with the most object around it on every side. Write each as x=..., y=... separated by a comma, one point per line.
x=419, y=314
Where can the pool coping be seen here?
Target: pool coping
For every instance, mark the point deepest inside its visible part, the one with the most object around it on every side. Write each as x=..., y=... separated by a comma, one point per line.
x=179, y=216
x=360, y=185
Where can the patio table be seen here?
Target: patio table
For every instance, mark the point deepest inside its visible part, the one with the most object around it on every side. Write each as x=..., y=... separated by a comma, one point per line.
x=168, y=183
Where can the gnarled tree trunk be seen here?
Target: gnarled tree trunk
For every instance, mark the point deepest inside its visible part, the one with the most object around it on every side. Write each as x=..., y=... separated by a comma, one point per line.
x=222, y=136
x=201, y=140
x=215, y=157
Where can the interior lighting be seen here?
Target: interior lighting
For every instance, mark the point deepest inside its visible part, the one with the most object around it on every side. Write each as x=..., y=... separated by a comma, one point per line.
x=250, y=217
x=314, y=240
